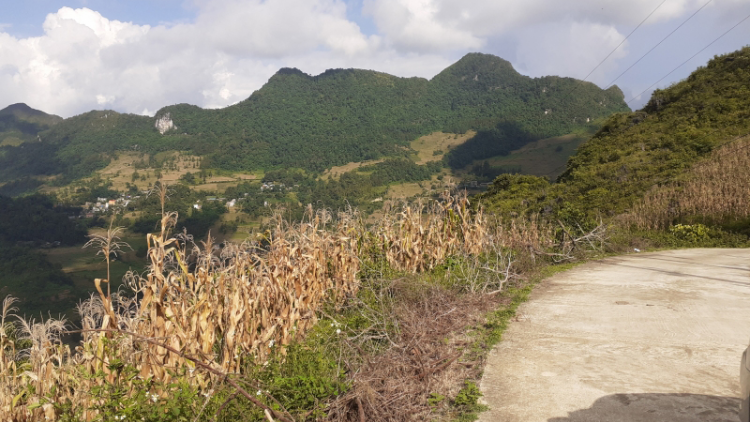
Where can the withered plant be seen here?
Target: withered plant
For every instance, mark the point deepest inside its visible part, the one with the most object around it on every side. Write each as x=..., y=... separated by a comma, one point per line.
x=209, y=311
x=715, y=190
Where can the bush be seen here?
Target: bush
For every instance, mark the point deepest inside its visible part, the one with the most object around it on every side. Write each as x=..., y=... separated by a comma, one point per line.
x=690, y=233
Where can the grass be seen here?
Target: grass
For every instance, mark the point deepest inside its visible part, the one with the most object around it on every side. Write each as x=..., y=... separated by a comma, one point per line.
x=545, y=157
x=11, y=141
x=83, y=266
x=427, y=148
x=405, y=190
x=433, y=147
x=490, y=332
x=336, y=171
x=120, y=172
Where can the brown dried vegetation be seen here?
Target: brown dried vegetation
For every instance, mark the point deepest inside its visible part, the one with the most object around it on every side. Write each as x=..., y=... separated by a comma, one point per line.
x=715, y=190
x=209, y=311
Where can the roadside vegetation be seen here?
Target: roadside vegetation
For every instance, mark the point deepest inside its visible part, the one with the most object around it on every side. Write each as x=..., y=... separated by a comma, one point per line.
x=685, y=140
x=233, y=334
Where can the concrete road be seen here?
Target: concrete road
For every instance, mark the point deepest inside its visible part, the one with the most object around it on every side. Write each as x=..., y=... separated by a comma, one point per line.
x=644, y=337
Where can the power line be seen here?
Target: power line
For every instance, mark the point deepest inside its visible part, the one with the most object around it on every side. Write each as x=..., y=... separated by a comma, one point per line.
x=576, y=86
x=658, y=44
x=691, y=58
x=623, y=41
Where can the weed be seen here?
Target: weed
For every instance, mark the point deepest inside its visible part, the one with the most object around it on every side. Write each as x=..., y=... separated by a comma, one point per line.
x=467, y=402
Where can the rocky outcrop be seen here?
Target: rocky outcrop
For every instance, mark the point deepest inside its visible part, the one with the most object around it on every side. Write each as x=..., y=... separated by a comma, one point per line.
x=164, y=123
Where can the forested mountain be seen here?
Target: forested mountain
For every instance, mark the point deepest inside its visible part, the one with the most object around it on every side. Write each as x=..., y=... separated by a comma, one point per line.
x=633, y=152
x=339, y=116
x=19, y=123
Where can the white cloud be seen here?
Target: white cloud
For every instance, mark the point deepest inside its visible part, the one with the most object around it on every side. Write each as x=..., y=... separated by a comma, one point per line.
x=274, y=28
x=84, y=60
x=569, y=48
x=416, y=25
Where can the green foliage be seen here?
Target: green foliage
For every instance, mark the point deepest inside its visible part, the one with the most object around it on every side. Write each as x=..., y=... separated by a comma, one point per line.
x=467, y=402
x=300, y=382
x=468, y=396
x=22, y=122
x=26, y=273
x=40, y=285
x=400, y=170
x=634, y=151
x=435, y=399
x=306, y=380
x=692, y=233
x=188, y=178
x=90, y=190
x=200, y=222
x=511, y=193
x=683, y=237
x=181, y=200
x=36, y=218
x=20, y=186
x=130, y=398
x=485, y=172
x=316, y=122
x=288, y=177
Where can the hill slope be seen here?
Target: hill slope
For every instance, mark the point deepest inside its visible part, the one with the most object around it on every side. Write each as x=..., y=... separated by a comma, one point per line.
x=339, y=116
x=20, y=123
x=635, y=151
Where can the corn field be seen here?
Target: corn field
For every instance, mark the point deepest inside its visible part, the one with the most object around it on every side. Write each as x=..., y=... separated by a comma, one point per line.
x=716, y=190
x=208, y=311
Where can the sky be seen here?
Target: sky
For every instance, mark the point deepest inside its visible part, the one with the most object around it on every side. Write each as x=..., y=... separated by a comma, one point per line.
x=67, y=57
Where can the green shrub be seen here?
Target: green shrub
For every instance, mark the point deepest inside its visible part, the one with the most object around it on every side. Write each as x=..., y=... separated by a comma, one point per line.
x=467, y=402
x=692, y=233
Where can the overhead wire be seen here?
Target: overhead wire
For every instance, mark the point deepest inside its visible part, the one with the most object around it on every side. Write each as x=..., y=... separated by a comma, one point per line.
x=691, y=58
x=736, y=138
x=613, y=52
x=623, y=41
x=658, y=44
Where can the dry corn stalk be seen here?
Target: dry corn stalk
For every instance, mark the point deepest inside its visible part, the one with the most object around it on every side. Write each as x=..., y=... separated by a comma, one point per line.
x=418, y=237
x=226, y=305
x=717, y=189
x=238, y=303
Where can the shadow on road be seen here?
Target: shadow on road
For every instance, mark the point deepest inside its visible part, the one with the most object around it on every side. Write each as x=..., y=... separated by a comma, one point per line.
x=674, y=273
x=689, y=261
x=657, y=407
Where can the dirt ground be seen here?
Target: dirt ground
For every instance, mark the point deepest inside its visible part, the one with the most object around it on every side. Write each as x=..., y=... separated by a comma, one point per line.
x=644, y=337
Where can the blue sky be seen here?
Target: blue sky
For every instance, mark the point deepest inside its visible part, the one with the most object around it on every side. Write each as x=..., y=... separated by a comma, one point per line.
x=68, y=57
x=26, y=17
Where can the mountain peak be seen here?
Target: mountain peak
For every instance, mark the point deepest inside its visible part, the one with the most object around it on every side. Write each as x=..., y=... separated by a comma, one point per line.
x=18, y=108
x=22, y=111
x=291, y=71
x=478, y=65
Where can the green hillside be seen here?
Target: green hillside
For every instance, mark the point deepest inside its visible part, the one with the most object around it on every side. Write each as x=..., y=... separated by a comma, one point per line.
x=510, y=110
x=25, y=272
x=339, y=116
x=20, y=123
x=633, y=152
